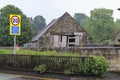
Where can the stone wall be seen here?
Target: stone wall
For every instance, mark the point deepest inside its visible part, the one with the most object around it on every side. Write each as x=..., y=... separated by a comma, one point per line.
x=112, y=54
x=108, y=52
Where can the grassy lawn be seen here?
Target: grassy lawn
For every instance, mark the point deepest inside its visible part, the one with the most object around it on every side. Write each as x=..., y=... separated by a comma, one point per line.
x=32, y=52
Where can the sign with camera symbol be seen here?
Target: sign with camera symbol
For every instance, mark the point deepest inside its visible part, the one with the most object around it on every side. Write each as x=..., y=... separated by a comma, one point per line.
x=15, y=24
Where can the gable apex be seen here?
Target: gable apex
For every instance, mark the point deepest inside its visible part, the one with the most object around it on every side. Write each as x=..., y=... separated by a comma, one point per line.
x=67, y=14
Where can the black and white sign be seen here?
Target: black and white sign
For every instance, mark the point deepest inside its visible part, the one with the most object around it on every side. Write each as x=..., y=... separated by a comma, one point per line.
x=15, y=20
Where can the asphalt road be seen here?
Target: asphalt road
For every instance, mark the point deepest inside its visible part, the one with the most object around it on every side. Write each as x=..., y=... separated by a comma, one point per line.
x=23, y=75
x=4, y=76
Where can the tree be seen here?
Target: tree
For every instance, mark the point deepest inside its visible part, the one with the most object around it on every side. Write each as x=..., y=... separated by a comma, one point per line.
x=81, y=19
x=101, y=25
x=38, y=24
x=26, y=29
x=118, y=22
x=117, y=25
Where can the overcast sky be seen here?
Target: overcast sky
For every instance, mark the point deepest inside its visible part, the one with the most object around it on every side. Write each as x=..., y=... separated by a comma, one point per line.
x=51, y=9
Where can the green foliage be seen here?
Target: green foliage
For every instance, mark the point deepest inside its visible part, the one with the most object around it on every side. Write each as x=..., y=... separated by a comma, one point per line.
x=101, y=25
x=40, y=68
x=99, y=66
x=33, y=52
x=81, y=19
x=26, y=29
x=6, y=51
x=38, y=23
x=118, y=22
x=68, y=72
x=106, y=42
x=69, y=65
x=78, y=66
x=117, y=25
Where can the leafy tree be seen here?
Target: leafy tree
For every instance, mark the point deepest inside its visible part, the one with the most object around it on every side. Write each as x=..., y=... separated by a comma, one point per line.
x=38, y=24
x=30, y=19
x=117, y=28
x=81, y=19
x=26, y=29
x=101, y=25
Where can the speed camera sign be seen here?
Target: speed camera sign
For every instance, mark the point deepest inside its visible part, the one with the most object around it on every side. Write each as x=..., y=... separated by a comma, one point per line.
x=15, y=24
x=15, y=20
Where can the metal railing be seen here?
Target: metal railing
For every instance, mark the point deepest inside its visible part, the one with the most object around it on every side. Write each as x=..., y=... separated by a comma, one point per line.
x=56, y=64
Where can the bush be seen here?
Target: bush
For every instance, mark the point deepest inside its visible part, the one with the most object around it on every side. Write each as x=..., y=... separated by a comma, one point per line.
x=99, y=66
x=96, y=66
x=68, y=72
x=77, y=66
x=40, y=68
x=106, y=42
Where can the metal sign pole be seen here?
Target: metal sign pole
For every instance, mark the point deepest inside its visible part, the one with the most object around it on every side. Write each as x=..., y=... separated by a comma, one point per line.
x=14, y=52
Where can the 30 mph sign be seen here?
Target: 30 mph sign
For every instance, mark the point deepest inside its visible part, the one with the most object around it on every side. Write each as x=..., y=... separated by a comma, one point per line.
x=15, y=24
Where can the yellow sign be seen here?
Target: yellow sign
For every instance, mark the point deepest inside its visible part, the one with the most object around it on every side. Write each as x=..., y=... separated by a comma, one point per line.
x=15, y=24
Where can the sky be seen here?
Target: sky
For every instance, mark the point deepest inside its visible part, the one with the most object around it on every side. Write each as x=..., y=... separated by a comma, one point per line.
x=51, y=9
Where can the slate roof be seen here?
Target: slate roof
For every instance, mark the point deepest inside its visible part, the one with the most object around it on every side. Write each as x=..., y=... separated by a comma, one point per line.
x=35, y=38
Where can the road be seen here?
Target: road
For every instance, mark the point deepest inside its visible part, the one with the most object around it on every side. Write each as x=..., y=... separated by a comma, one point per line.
x=23, y=75
x=4, y=76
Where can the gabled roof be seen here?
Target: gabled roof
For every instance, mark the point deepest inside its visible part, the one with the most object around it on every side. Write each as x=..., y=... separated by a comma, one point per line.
x=35, y=38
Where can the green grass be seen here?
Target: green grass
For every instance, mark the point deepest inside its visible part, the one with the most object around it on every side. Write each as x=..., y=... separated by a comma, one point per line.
x=32, y=52
x=6, y=51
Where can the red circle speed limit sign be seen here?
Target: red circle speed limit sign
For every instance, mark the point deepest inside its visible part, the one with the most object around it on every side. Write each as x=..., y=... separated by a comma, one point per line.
x=15, y=20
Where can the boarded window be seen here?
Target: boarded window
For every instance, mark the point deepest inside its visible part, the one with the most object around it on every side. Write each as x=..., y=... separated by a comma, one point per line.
x=60, y=41
x=77, y=40
x=64, y=40
x=55, y=40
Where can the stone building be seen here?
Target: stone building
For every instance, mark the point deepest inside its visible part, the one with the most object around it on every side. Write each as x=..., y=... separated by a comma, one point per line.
x=61, y=32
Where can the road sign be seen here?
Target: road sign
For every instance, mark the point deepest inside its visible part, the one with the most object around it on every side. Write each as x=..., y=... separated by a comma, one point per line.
x=15, y=24
x=15, y=20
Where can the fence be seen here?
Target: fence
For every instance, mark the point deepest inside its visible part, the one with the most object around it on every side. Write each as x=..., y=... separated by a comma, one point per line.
x=55, y=64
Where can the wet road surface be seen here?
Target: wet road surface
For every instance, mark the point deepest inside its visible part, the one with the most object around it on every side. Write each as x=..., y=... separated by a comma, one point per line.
x=4, y=76
x=23, y=75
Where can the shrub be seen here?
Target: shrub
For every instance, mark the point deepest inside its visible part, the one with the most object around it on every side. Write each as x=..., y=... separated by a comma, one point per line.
x=96, y=66
x=68, y=72
x=40, y=68
x=99, y=66
x=77, y=66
